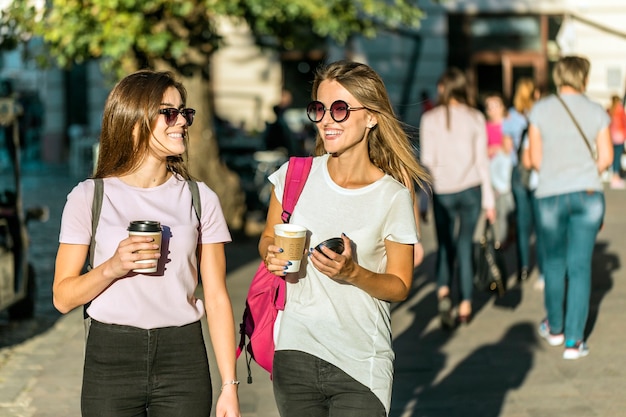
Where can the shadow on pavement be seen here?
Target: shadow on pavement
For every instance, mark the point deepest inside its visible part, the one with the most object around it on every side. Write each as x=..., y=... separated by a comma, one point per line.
x=477, y=386
x=603, y=265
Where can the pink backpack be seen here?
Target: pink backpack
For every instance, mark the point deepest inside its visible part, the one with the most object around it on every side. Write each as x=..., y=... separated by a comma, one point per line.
x=266, y=295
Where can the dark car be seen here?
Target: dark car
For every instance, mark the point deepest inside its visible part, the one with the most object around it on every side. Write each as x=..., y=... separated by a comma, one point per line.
x=17, y=276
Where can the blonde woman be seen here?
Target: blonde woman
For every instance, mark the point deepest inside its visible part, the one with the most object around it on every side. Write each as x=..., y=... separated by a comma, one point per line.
x=570, y=198
x=515, y=127
x=333, y=350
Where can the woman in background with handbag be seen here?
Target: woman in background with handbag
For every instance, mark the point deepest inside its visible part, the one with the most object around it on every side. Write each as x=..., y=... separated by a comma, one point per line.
x=454, y=149
x=569, y=146
x=333, y=352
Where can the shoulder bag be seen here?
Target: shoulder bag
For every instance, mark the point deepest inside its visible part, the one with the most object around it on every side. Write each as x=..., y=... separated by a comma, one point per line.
x=593, y=152
x=266, y=295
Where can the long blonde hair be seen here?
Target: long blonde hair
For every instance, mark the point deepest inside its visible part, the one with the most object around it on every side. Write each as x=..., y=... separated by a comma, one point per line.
x=524, y=97
x=389, y=147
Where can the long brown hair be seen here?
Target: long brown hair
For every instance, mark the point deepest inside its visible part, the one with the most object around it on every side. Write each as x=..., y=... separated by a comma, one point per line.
x=615, y=103
x=389, y=147
x=453, y=84
x=131, y=110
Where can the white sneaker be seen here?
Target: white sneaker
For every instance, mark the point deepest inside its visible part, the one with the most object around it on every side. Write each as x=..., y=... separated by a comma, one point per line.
x=575, y=350
x=552, y=339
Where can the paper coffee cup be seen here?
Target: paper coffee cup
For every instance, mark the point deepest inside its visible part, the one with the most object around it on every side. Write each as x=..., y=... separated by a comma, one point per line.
x=291, y=238
x=146, y=228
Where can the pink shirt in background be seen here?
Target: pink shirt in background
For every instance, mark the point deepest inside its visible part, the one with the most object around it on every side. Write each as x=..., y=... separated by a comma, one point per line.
x=494, y=138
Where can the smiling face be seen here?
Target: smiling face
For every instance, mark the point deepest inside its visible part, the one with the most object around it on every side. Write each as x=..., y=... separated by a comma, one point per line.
x=169, y=140
x=339, y=137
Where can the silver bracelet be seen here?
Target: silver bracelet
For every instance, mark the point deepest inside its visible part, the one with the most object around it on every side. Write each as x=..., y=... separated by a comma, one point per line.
x=233, y=382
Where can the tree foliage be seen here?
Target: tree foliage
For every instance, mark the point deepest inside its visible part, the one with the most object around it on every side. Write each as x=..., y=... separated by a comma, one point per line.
x=131, y=33
x=182, y=35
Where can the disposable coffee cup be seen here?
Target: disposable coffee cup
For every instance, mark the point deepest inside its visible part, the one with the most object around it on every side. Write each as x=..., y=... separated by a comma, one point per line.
x=146, y=228
x=291, y=238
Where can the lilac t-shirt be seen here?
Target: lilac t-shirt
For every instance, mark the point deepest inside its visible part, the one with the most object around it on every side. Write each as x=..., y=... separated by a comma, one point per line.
x=166, y=297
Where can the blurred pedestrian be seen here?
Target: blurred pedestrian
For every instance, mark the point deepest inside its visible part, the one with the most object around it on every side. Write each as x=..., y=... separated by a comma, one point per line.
x=145, y=351
x=454, y=150
x=617, y=128
x=569, y=145
x=278, y=135
x=334, y=355
x=515, y=126
x=499, y=149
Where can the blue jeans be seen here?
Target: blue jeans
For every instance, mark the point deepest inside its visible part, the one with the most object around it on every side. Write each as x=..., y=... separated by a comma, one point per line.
x=464, y=206
x=569, y=224
x=131, y=372
x=539, y=249
x=525, y=221
x=618, y=150
x=306, y=386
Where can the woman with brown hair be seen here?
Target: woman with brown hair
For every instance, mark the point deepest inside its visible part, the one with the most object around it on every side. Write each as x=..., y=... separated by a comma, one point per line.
x=145, y=352
x=454, y=149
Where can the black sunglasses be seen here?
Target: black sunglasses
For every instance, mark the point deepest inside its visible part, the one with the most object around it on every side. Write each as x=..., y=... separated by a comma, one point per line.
x=171, y=115
x=339, y=111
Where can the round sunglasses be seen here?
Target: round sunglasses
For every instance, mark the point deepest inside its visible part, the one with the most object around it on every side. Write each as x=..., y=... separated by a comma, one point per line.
x=339, y=111
x=171, y=115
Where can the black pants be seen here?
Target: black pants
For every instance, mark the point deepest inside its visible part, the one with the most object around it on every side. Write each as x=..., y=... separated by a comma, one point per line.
x=131, y=372
x=306, y=386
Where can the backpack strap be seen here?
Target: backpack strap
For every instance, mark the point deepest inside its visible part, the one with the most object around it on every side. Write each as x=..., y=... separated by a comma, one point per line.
x=96, y=207
x=297, y=173
x=195, y=198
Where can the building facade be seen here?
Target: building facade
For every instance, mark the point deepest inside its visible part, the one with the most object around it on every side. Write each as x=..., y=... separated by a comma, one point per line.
x=495, y=42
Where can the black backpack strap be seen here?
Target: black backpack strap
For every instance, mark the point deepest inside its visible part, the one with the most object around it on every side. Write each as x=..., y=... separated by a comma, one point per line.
x=195, y=198
x=96, y=207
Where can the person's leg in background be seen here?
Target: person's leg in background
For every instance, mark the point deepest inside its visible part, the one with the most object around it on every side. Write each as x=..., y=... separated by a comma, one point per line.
x=552, y=226
x=539, y=249
x=469, y=209
x=616, y=180
x=524, y=221
x=443, y=213
x=585, y=220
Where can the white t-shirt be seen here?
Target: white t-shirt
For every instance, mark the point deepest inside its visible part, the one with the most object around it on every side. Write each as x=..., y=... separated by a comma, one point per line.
x=165, y=298
x=340, y=323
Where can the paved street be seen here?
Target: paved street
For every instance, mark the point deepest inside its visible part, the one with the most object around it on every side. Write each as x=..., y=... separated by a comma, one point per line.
x=495, y=366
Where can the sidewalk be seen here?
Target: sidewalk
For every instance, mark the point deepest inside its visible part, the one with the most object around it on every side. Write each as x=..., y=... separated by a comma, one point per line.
x=495, y=366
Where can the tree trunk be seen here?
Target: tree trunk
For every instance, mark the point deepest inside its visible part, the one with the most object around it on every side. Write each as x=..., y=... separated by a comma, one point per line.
x=204, y=159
